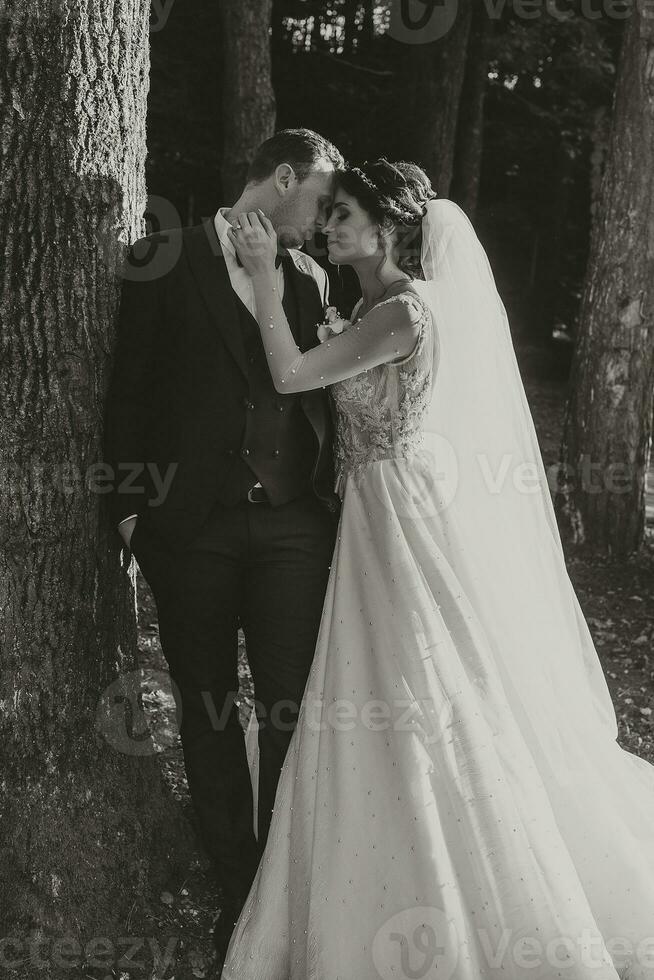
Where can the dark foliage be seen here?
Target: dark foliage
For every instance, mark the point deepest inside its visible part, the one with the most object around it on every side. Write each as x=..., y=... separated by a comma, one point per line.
x=336, y=69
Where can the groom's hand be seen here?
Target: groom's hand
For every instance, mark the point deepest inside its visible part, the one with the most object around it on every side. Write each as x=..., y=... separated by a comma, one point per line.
x=126, y=530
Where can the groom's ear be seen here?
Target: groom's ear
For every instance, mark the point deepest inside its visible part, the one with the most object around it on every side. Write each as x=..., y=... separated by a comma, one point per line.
x=285, y=178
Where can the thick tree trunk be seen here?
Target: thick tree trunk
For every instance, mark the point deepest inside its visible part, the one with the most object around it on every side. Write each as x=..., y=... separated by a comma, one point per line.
x=470, y=126
x=600, y=136
x=609, y=415
x=249, y=100
x=433, y=81
x=86, y=823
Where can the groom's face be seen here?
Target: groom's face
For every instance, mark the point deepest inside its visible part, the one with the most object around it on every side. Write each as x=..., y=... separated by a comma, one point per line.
x=304, y=206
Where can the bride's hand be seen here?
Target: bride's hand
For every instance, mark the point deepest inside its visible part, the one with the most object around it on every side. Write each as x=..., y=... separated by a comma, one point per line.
x=255, y=242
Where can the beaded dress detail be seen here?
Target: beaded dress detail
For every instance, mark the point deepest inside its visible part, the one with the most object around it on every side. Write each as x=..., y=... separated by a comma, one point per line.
x=418, y=832
x=379, y=412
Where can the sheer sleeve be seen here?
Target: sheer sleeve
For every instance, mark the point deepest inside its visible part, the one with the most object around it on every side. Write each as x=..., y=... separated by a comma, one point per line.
x=388, y=333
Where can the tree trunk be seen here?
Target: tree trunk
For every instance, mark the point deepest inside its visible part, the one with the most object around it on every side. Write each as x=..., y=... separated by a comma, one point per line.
x=609, y=414
x=470, y=126
x=368, y=25
x=87, y=825
x=433, y=73
x=600, y=136
x=545, y=292
x=249, y=100
x=278, y=32
x=350, y=26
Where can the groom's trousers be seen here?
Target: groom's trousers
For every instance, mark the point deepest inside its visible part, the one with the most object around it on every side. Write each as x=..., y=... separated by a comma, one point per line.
x=263, y=568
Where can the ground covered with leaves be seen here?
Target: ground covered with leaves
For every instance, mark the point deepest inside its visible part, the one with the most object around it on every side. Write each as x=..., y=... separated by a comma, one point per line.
x=617, y=598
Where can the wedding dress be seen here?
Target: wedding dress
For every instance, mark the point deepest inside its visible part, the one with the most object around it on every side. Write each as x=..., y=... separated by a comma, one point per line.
x=453, y=803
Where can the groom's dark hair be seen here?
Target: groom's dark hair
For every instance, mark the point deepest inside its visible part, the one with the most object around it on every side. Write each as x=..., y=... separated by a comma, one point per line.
x=301, y=148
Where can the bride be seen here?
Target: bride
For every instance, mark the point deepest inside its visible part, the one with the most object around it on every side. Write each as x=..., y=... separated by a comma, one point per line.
x=453, y=803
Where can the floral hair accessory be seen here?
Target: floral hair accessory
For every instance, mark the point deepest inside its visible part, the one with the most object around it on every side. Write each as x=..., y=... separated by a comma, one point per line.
x=333, y=324
x=365, y=179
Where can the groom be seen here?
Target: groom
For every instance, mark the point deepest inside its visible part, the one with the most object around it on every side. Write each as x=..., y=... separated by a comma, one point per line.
x=223, y=487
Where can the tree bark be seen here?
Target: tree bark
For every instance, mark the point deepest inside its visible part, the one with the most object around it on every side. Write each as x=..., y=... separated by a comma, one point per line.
x=87, y=825
x=433, y=73
x=609, y=413
x=248, y=100
x=600, y=136
x=470, y=125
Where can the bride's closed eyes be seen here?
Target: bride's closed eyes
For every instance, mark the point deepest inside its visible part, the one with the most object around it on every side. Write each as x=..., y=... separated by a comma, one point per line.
x=339, y=213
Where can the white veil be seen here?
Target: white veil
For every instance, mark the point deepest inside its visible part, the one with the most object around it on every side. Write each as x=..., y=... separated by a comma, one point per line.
x=490, y=487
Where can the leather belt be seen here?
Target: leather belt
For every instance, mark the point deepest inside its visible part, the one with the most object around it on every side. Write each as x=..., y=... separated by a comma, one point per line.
x=257, y=495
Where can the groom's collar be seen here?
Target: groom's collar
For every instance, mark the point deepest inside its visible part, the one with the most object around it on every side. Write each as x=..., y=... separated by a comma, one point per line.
x=222, y=226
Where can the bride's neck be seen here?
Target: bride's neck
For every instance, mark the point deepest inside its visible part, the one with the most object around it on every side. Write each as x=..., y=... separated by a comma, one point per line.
x=375, y=282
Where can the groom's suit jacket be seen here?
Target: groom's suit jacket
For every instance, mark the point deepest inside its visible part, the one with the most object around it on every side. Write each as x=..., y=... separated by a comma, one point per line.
x=192, y=414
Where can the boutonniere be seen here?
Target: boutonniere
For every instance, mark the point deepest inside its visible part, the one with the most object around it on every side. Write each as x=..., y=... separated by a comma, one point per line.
x=333, y=324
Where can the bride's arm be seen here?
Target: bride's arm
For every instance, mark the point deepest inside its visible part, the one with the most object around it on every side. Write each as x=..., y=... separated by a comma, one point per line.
x=387, y=333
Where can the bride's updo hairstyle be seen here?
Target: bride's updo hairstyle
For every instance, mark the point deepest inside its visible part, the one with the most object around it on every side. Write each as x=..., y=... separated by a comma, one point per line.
x=395, y=195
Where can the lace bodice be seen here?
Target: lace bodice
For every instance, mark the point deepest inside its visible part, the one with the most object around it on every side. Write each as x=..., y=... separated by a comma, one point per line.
x=380, y=412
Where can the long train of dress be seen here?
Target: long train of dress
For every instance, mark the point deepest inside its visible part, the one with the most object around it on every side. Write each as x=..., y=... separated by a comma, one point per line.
x=431, y=821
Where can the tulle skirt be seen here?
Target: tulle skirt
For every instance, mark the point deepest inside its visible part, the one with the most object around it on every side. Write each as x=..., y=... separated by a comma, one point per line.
x=446, y=810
